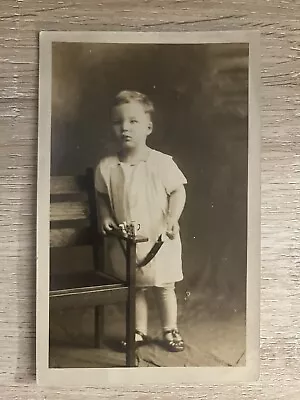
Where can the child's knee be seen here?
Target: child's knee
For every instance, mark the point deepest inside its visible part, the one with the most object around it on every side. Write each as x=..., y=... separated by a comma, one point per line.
x=166, y=293
x=140, y=290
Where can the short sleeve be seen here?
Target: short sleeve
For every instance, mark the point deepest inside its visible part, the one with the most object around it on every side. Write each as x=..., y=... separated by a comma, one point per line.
x=171, y=175
x=100, y=183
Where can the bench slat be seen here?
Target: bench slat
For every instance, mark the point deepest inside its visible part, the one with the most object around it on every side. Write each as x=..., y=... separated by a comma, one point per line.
x=68, y=237
x=65, y=211
x=89, y=298
x=60, y=185
x=91, y=288
x=82, y=280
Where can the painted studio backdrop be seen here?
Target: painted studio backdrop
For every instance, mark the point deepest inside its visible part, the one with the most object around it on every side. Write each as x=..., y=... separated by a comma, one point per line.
x=200, y=93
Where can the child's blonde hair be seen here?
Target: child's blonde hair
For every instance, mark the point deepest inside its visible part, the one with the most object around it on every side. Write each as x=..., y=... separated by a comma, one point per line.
x=127, y=96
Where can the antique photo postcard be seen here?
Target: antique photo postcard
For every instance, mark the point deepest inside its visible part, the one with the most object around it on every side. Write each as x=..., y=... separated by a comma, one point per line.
x=148, y=211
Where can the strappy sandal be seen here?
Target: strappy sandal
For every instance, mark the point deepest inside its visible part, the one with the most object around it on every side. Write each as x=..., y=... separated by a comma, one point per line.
x=175, y=344
x=138, y=343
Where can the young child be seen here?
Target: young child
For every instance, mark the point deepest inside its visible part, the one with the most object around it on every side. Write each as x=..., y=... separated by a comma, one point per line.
x=144, y=185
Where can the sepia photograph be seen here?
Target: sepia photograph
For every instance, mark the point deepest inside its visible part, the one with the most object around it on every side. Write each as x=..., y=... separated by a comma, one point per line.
x=148, y=207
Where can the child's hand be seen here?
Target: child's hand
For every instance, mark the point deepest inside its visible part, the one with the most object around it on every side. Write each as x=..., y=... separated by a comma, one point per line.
x=172, y=228
x=108, y=224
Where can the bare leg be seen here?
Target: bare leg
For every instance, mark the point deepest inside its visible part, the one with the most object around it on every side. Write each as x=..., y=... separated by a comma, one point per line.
x=141, y=312
x=167, y=304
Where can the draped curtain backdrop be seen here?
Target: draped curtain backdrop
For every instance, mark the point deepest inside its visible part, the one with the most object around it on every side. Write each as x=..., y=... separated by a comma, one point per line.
x=200, y=94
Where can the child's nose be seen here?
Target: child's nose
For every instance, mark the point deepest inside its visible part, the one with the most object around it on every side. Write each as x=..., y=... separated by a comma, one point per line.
x=125, y=126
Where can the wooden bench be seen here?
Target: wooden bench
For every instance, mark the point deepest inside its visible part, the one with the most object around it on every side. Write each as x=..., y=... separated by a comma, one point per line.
x=74, y=222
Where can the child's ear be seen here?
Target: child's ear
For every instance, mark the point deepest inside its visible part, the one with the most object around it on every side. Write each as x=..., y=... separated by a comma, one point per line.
x=150, y=127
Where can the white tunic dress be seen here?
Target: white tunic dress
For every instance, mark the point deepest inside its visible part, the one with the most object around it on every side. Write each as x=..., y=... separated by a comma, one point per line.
x=140, y=193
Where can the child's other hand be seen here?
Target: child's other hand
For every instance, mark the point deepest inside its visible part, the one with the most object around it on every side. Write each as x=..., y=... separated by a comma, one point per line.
x=108, y=224
x=172, y=228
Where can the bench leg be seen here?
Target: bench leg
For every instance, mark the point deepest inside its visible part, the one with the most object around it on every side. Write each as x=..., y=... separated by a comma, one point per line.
x=99, y=326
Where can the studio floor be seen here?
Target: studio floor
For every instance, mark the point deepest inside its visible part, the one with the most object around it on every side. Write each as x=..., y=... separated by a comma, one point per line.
x=213, y=326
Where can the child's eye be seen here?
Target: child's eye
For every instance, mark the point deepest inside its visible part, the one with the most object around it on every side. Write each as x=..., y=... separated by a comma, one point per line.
x=133, y=121
x=116, y=122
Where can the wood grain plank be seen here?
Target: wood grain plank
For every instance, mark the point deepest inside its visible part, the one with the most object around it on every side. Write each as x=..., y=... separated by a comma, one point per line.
x=67, y=185
x=68, y=237
x=65, y=211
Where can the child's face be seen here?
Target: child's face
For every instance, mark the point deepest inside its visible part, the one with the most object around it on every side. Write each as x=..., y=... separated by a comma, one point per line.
x=131, y=124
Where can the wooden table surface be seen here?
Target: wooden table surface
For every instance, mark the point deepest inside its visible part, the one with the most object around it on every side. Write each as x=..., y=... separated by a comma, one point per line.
x=279, y=24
